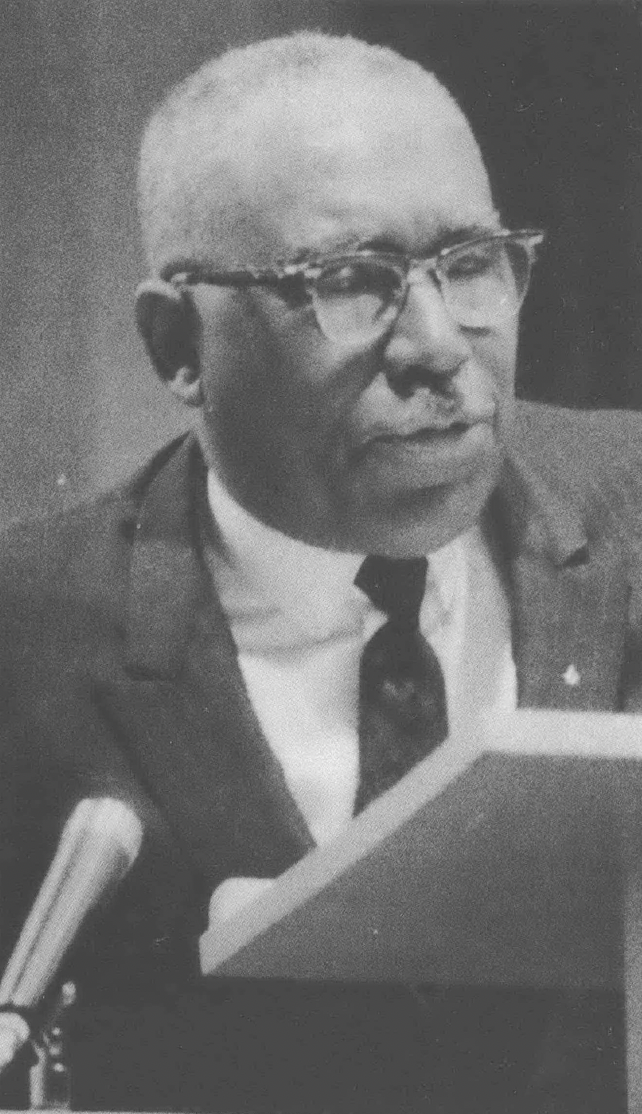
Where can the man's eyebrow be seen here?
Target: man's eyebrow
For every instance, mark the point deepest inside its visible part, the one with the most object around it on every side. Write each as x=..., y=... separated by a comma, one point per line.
x=444, y=239
x=466, y=232
x=334, y=246
x=355, y=242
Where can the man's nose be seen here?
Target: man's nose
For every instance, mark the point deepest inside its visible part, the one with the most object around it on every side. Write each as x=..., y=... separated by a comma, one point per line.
x=426, y=341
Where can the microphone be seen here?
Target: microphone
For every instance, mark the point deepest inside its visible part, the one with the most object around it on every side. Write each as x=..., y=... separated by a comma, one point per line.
x=99, y=844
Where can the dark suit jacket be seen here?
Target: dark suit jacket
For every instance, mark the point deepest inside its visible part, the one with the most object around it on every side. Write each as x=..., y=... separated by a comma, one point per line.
x=120, y=676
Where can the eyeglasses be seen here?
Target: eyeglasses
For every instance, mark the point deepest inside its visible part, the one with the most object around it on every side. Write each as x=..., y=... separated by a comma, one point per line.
x=358, y=296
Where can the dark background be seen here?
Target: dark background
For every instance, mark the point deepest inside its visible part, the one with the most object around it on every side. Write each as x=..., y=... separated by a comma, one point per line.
x=553, y=92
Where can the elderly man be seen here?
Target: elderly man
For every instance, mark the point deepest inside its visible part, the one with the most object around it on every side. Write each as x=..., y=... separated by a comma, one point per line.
x=364, y=541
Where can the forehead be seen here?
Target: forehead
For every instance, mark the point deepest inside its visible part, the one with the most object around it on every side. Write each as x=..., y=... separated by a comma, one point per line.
x=371, y=160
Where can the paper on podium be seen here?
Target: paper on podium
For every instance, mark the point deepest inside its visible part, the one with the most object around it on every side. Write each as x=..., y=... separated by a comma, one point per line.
x=499, y=859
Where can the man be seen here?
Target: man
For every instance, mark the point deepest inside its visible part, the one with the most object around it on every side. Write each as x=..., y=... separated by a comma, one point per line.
x=336, y=300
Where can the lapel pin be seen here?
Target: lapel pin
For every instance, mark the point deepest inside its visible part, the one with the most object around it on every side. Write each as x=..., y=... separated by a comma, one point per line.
x=571, y=677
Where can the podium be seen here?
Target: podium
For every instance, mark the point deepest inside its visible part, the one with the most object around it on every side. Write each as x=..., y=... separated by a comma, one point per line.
x=511, y=856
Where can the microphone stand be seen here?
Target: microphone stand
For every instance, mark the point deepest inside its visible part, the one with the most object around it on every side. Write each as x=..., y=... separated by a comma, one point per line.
x=99, y=844
x=49, y=1082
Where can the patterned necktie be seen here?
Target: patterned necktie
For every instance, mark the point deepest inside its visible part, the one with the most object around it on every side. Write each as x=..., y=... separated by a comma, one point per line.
x=402, y=696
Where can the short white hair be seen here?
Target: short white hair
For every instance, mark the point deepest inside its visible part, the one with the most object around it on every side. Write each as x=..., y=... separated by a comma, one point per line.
x=181, y=140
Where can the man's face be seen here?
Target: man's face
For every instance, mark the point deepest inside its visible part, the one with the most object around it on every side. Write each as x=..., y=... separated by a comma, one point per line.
x=393, y=447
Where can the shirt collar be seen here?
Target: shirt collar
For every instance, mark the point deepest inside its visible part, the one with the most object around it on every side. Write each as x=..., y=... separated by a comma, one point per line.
x=262, y=569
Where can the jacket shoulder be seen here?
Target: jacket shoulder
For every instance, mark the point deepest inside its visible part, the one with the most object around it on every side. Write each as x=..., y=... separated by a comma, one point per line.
x=607, y=437
x=594, y=459
x=81, y=553
x=586, y=452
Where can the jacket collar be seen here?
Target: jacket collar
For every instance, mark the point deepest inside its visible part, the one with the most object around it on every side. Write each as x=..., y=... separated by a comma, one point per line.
x=197, y=744
x=166, y=575
x=533, y=517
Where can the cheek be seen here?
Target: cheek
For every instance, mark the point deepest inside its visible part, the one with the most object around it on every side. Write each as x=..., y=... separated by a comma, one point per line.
x=276, y=393
x=242, y=359
x=497, y=353
x=237, y=358
x=295, y=375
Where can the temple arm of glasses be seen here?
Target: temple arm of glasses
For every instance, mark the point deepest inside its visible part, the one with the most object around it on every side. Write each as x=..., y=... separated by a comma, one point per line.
x=238, y=278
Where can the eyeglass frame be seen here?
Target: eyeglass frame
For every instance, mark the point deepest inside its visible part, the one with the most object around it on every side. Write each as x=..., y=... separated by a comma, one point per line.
x=414, y=270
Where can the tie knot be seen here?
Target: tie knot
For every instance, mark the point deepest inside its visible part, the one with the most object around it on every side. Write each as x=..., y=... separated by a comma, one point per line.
x=395, y=586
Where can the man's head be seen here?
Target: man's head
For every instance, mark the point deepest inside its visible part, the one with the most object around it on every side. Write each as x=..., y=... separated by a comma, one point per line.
x=347, y=430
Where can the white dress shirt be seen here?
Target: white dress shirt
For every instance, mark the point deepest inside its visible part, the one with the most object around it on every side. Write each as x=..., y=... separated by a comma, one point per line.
x=300, y=625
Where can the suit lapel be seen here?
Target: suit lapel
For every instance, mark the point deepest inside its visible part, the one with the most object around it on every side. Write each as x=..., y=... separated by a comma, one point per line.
x=182, y=707
x=569, y=596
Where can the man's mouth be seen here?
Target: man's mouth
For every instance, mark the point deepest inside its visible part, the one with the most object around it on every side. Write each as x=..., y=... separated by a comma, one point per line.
x=437, y=429
x=420, y=456
x=422, y=433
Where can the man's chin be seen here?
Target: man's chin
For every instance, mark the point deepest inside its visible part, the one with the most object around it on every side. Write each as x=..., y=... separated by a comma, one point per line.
x=420, y=520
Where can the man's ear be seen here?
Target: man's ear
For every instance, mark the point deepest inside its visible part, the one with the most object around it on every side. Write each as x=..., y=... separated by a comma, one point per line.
x=170, y=326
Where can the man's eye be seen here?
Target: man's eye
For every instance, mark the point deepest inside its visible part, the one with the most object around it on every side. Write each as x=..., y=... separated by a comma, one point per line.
x=344, y=279
x=472, y=264
x=356, y=277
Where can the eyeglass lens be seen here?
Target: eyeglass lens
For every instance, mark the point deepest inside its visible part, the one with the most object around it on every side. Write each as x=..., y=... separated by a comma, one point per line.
x=358, y=299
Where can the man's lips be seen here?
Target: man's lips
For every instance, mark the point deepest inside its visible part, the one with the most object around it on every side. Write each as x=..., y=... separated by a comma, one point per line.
x=436, y=429
x=421, y=457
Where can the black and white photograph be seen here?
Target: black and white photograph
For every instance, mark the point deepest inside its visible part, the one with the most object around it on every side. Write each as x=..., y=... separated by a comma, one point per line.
x=321, y=556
